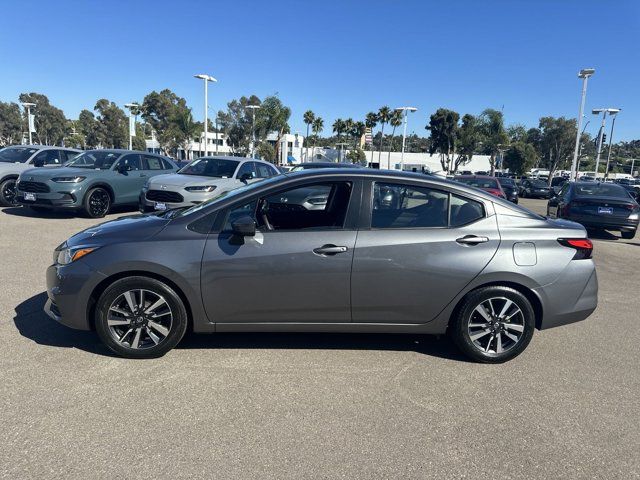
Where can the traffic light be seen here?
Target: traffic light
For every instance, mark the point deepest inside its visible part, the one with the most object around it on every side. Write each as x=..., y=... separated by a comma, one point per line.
x=604, y=138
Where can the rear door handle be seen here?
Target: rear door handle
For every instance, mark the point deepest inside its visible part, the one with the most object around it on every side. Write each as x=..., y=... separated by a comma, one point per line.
x=329, y=250
x=471, y=240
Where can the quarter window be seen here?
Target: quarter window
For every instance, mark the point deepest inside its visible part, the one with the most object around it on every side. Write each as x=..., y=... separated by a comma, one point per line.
x=152, y=163
x=464, y=211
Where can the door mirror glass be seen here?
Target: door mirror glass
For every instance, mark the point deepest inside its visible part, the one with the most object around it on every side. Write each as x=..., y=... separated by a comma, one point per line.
x=244, y=226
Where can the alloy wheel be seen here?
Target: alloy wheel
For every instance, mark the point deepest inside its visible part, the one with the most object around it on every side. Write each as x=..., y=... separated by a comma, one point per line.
x=9, y=192
x=496, y=325
x=139, y=319
x=99, y=203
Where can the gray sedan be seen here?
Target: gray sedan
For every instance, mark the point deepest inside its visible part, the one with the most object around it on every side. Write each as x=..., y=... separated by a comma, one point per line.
x=328, y=250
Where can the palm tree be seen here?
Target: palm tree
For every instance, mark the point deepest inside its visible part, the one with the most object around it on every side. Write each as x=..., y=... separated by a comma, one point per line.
x=371, y=121
x=308, y=118
x=316, y=128
x=338, y=127
x=384, y=114
x=185, y=129
x=395, y=121
x=357, y=130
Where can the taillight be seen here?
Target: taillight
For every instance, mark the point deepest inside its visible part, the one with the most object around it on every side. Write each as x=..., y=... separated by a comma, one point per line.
x=582, y=246
x=496, y=192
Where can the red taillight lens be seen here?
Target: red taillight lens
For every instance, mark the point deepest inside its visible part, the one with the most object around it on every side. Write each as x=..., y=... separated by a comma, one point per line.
x=583, y=247
x=496, y=192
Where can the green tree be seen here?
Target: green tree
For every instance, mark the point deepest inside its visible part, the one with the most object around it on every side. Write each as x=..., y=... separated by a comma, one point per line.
x=384, y=114
x=557, y=142
x=237, y=123
x=11, y=124
x=50, y=122
x=443, y=126
x=520, y=157
x=371, y=120
x=316, y=127
x=338, y=128
x=88, y=126
x=266, y=152
x=184, y=129
x=114, y=124
x=308, y=119
x=468, y=139
x=273, y=116
x=494, y=135
x=516, y=133
x=158, y=110
x=357, y=155
x=357, y=131
x=395, y=121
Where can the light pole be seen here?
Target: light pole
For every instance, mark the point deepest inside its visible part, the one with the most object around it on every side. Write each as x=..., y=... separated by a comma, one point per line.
x=28, y=106
x=613, y=123
x=584, y=74
x=604, y=111
x=405, y=111
x=132, y=126
x=253, y=128
x=206, y=79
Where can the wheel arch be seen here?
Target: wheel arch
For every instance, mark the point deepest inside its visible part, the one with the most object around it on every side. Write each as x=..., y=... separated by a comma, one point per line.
x=10, y=176
x=102, y=286
x=103, y=185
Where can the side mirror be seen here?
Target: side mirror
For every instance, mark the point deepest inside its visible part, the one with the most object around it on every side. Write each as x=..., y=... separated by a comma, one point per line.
x=245, y=177
x=38, y=162
x=244, y=227
x=122, y=168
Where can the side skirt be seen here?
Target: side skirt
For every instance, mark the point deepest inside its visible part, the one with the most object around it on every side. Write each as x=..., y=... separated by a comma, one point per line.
x=426, y=328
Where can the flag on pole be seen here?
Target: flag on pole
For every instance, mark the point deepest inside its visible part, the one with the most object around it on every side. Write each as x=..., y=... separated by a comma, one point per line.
x=32, y=126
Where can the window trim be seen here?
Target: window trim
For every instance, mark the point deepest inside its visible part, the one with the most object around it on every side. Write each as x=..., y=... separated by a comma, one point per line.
x=366, y=218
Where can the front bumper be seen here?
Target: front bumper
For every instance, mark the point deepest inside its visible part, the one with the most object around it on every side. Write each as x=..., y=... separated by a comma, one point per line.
x=572, y=297
x=69, y=198
x=145, y=205
x=69, y=289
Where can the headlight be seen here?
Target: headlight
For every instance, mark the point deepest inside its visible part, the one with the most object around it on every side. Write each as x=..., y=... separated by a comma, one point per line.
x=203, y=188
x=68, y=179
x=68, y=255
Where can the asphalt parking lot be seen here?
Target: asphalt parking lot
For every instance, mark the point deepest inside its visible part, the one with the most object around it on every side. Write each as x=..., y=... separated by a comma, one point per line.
x=313, y=405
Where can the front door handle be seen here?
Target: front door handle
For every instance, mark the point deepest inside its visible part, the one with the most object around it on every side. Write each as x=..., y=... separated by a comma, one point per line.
x=471, y=240
x=329, y=250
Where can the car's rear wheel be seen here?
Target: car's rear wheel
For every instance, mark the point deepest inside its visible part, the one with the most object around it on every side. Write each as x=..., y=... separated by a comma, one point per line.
x=493, y=324
x=8, y=193
x=140, y=317
x=97, y=202
x=628, y=235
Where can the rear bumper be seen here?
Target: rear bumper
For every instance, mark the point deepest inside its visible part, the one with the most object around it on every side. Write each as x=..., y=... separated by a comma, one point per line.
x=572, y=297
x=613, y=223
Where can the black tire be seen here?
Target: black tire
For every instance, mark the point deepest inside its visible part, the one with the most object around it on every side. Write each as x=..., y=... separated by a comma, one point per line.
x=628, y=235
x=147, y=349
x=8, y=193
x=97, y=203
x=459, y=327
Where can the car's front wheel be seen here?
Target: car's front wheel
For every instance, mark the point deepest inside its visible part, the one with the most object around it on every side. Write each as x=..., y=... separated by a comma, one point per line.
x=8, y=193
x=140, y=317
x=97, y=202
x=493, y=324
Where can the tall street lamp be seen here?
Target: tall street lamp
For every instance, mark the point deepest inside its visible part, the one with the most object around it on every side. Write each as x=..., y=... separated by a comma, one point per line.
x=253, y=128
x=132, y=121
x=613, y=123
x=604, y=111
x=206, y=79
x=405, y=111
x=28, y=106
x=584, y=74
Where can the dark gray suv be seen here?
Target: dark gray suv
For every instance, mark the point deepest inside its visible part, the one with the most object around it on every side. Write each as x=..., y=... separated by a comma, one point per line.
x=328, y=250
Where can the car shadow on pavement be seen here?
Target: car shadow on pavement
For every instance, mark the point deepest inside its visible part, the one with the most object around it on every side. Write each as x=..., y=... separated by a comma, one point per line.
x=30, y=213
x=34, y=324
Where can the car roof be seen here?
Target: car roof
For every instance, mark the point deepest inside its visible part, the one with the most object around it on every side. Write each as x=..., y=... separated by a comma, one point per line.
x=329, y=165
x=481, y=177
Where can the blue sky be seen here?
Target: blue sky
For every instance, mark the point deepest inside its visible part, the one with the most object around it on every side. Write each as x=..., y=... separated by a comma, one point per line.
x=338, y=58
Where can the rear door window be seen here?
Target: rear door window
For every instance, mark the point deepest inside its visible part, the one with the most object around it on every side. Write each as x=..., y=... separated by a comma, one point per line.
x=151, y=162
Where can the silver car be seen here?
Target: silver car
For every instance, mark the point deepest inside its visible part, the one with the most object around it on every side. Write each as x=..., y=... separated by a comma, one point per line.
x=201, y=180
x=330, y=250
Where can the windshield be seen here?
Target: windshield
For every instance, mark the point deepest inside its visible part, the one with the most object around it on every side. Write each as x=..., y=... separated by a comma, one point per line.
x=479, y=182
x=538, y=184
x=601, y=190
x=100, y=160
x=211, y=167
x=508, y=182
x=16, y=154
x=230, y=193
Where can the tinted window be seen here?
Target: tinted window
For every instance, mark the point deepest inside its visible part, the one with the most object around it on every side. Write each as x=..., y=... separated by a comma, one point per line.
x=211, y=167
x=405, y=206
x=130, y=162
x=98, y=159
x=263, y=171
x=16, y=154
x=70, y=155
x=538, y=184
x=479, y=182
x=153, y=163
x=464, y=211
x=48, y=157
x=246, y=168
x=601, y=190
x=507, y=182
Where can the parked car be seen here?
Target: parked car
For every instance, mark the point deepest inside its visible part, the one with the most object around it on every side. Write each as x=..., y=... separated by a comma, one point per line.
x=598, y=206
x=483, y=182
x=534, y=188
x=509, y=188
x=350, y=250
x=200, y=180
x=557, y=183
x=93, y=182
x=16, y=159
x=314, y=165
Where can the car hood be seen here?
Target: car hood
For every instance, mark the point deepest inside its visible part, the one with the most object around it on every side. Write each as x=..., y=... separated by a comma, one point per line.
x=180, y=180
x=44, y=174
x=123, y=229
